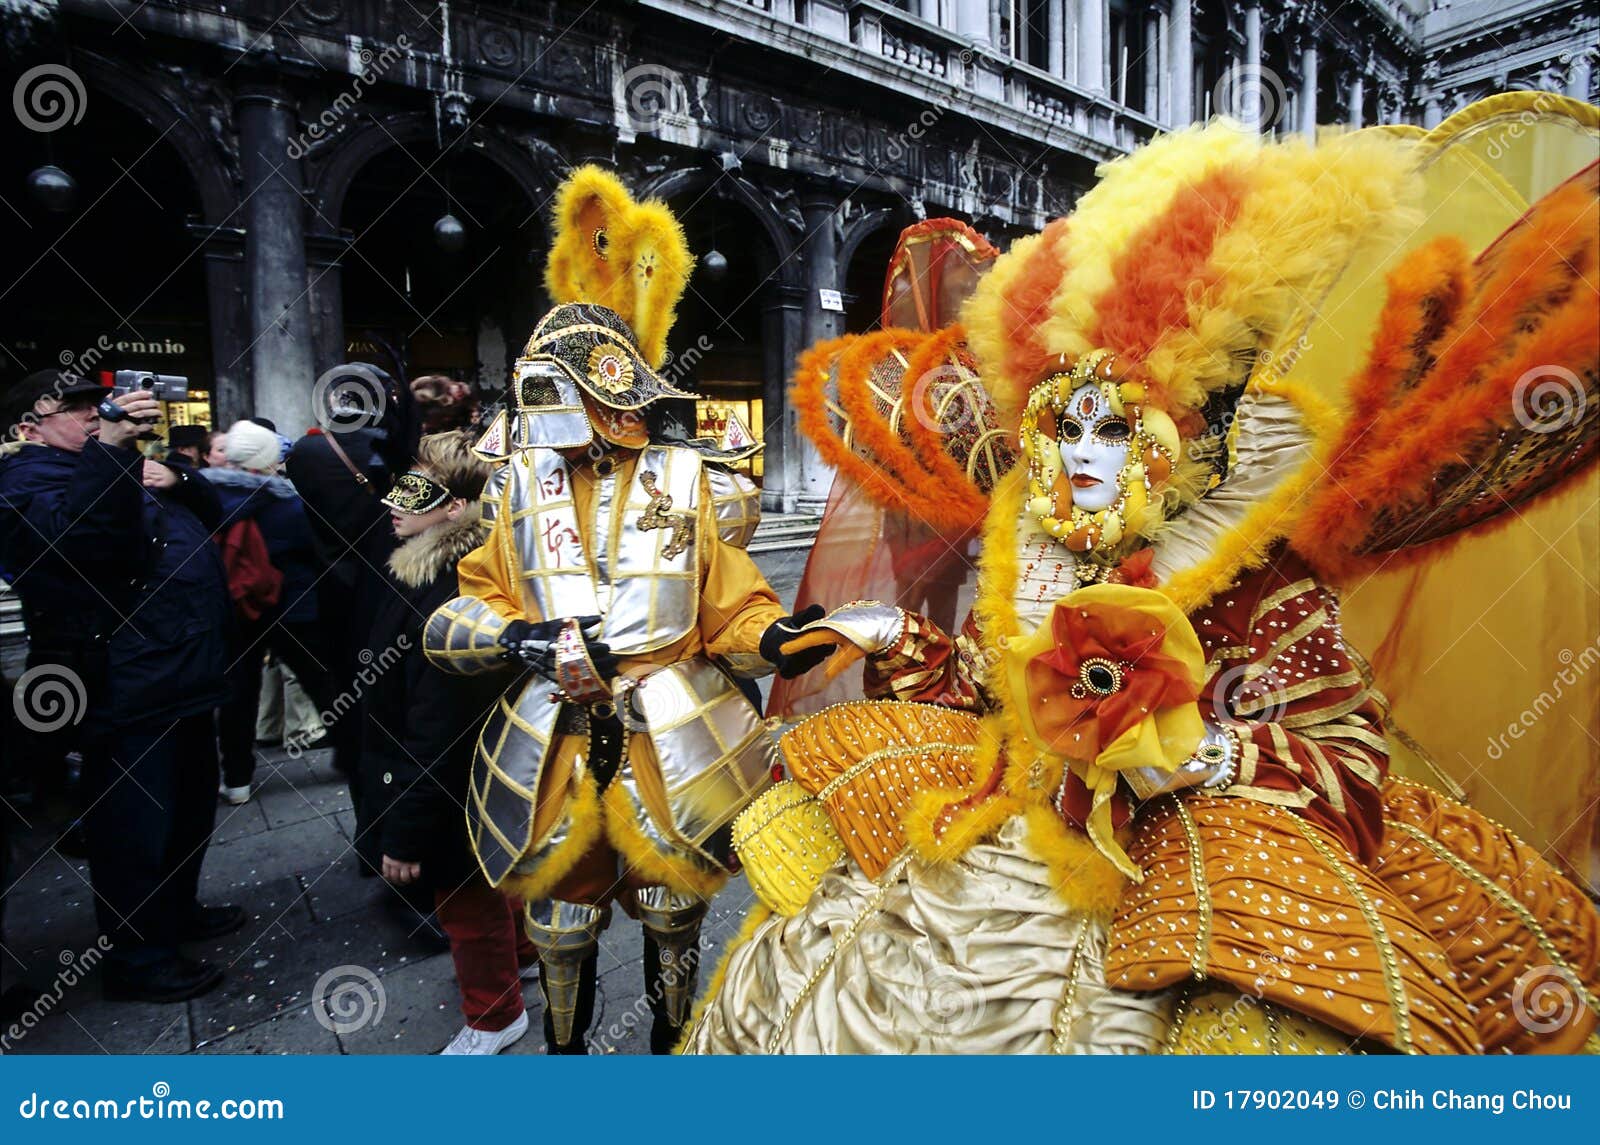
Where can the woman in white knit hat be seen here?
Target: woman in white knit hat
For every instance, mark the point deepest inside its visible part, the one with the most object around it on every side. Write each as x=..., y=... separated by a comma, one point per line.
x=250, y=489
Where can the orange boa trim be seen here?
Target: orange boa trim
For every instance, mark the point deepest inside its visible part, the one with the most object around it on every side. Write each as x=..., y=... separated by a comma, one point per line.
x=1027, y=303
x=967, y=502
x=1165, y=265
x=1543, y=267
x=925, y=495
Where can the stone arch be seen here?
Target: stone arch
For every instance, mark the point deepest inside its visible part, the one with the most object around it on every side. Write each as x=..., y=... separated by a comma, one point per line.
x=865, y=225
x=331, y=175
x=687, y=180
x=150, y=97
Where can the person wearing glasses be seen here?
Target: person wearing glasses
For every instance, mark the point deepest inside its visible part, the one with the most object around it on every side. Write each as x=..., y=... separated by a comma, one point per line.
x=125, y=603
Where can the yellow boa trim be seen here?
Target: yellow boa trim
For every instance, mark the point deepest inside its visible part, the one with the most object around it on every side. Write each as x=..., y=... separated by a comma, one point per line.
x=648, y=861
x=584, y=810
x=754, y=921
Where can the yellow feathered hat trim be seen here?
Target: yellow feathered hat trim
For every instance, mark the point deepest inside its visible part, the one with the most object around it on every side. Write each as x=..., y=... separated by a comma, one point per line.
x=628, y=256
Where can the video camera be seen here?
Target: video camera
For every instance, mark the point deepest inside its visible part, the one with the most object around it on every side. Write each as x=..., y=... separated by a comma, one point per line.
x=162, y=387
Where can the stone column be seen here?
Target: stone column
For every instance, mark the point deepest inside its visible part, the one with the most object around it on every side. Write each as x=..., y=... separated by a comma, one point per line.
x=226, y=290
x=1151, y=56
x=324, y=255
x=1163, y=67
x=281, y=362
x=1181, y=36
x=1357, y=99
x=1092, y=45
x=1055, y=34
x=782, y=340
x=820, y=249
x=1248, y=85
x=1308, y=89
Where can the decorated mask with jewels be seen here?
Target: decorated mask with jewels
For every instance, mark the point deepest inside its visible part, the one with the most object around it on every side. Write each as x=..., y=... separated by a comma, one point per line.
x=414, y=492
x=1098, y=458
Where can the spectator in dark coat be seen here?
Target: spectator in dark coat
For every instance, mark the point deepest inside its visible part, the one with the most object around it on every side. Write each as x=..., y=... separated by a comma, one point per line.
x=420, y=726
x=340, y=469
x=250, y=490
x=127, y=606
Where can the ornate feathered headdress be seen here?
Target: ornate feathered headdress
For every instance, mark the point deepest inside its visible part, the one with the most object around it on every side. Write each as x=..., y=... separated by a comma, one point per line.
x=626, y=256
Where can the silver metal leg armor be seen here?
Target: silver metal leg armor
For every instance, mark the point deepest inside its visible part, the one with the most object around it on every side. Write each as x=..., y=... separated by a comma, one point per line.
x=565, y=934
x=673, y=921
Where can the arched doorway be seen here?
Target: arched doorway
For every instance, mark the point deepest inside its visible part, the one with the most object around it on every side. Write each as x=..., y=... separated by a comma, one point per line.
x=459, y=308
x=718, y=342
x=117, y=280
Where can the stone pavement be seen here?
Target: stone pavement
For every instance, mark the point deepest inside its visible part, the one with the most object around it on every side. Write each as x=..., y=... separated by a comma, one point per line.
x=286, y=856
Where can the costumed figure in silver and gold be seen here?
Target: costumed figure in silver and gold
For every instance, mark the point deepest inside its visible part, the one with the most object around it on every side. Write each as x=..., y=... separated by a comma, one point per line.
x=611, y=772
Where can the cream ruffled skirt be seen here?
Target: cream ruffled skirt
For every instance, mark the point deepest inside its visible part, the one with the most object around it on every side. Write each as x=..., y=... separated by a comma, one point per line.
x=976, y=956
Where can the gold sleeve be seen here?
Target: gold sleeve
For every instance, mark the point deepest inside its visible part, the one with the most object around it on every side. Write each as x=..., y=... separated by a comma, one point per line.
x=736, y=603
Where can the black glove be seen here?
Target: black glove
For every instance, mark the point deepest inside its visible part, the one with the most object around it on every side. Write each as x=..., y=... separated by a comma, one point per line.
x=534, y=645
x=780, y=632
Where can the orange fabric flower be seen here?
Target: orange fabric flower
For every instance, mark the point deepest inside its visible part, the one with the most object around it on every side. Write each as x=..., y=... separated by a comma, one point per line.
x=1110, y=684
x=1105, y=672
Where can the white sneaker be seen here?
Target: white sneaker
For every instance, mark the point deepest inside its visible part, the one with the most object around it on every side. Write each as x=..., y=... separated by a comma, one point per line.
x=238, y=796
x=487, y=1043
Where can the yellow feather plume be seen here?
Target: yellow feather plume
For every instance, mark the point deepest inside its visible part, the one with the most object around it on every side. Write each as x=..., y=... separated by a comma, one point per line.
x=628, y=256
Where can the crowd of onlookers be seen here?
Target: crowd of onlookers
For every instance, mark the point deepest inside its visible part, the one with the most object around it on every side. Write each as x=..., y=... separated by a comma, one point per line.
x=206, y=596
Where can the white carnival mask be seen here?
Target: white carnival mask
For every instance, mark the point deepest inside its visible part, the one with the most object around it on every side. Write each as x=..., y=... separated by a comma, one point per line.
x=1094, y=444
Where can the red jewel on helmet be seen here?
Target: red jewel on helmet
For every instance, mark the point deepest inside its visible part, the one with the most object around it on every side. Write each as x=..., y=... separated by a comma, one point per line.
x=777, y=773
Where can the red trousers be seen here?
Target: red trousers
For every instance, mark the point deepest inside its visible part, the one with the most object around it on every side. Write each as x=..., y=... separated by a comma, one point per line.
x=488, y=946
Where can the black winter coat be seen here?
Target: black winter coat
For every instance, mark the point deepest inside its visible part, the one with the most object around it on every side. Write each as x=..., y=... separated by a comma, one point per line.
x=420, y=725
x=125, y=581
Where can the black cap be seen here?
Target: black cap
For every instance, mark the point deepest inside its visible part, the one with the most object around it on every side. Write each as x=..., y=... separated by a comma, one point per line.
x=21, y=397
x=188, y=436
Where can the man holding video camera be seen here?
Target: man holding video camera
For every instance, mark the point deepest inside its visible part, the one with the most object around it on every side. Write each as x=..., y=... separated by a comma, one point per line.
x=125, y=602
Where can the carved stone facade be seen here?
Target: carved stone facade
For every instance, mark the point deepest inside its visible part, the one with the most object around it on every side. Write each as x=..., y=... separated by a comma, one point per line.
x=823, y=125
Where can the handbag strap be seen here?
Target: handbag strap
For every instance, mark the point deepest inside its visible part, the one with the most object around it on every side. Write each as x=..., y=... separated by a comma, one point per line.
x=355, y=471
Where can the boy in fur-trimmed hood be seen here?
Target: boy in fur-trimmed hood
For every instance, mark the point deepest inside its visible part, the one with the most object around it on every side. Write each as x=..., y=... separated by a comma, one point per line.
x=419, y=727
